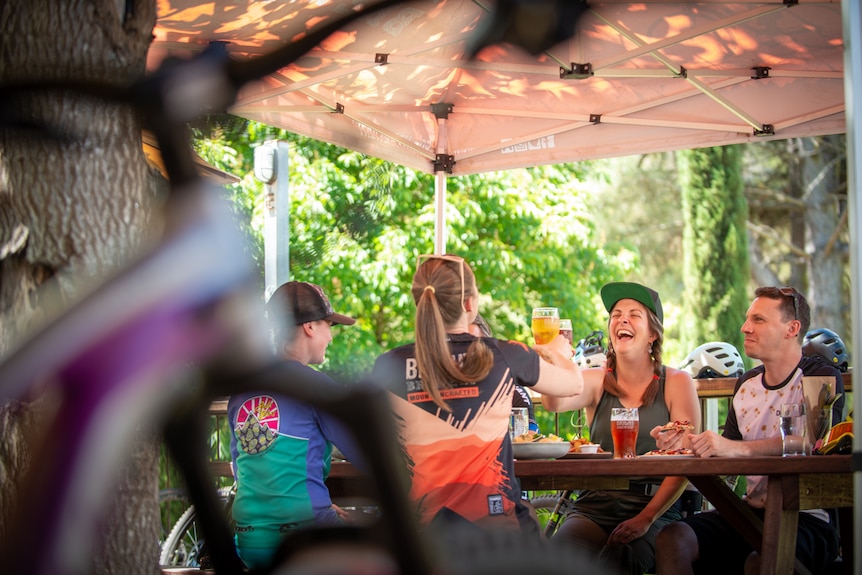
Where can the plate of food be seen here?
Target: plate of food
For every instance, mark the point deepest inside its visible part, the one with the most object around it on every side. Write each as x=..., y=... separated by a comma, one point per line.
x=679, y=425
x=582, y=449
x=674, y=453
x=540, y=449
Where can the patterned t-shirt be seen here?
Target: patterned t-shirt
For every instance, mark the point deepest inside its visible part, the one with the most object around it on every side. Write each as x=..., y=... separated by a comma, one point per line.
x=756, y=408
x=461, y=461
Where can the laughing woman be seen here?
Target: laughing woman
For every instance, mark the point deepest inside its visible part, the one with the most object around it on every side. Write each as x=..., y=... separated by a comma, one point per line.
x=622, y=525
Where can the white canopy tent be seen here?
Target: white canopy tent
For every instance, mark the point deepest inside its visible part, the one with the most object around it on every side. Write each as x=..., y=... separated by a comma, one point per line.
x=637, y=77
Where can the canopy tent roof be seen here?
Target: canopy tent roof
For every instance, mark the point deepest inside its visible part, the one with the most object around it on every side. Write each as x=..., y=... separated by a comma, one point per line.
x=637, y=77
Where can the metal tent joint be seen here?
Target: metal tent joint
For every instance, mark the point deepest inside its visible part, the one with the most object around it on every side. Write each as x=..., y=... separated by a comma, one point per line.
x=577, y=71
x=441, y=110
x=760, y=72
x=766, y=130
x=339, y=108
x=595, y=118
x=381, y=59
x=444, y=162
x=683, y=73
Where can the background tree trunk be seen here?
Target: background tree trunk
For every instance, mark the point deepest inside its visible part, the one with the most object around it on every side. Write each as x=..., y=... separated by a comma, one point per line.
x=822, y=163
x=70, y=210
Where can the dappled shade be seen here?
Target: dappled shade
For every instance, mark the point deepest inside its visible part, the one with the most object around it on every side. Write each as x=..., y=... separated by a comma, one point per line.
x=654, y=76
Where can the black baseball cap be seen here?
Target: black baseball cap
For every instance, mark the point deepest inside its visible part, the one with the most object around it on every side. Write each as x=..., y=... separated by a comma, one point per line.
x=614, y=292
x=305, y=302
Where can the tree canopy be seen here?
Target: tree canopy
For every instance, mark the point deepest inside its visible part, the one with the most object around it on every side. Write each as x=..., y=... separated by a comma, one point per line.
x=358, y=225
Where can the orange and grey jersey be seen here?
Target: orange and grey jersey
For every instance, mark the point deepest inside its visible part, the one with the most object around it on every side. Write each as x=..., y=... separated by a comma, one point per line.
x=460, y=461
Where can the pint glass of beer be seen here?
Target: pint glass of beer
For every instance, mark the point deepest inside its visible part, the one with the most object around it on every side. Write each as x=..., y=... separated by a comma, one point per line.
x=546, y=324
x=566, y=329
x=624, y=430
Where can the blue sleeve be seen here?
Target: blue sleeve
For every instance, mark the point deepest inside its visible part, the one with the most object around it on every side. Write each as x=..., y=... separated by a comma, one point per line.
x=338, y=434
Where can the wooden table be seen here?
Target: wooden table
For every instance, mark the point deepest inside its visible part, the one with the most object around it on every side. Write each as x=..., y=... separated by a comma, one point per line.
x=794, y=483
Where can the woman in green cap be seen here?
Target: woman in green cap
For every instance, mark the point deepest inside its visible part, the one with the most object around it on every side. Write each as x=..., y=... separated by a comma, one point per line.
x=622, y=525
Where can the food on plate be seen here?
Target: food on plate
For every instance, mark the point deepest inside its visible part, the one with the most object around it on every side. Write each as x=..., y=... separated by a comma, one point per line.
x=669, y=452
x=533, y=437
x=550, y=438
x=677, y=426
x=527, y=437
x=579, y=442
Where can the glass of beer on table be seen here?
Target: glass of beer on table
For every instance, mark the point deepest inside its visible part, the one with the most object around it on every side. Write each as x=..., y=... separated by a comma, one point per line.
x=566, y=329
x=546, y=324
x=624, y=430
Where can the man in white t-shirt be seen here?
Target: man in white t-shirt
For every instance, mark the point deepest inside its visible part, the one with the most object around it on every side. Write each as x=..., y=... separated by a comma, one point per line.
x=774, y=328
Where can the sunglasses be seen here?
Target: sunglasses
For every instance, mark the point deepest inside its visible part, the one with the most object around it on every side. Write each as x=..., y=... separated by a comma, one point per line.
x=791, y=293
x=455, y=259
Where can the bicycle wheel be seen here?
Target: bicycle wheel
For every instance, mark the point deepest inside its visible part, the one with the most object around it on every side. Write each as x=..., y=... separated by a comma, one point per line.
x=173, y=502
x=185, y=545
x=551, y=510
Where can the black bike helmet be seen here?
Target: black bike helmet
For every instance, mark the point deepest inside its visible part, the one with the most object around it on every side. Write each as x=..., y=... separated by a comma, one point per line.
x=714, y=359
x=826, y=343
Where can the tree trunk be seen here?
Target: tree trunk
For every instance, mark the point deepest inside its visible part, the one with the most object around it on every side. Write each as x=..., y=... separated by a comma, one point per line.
x=71, y=209
x=823, y=161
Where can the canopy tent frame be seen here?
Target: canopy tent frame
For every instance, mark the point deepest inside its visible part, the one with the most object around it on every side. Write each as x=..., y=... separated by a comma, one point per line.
x=852, y=32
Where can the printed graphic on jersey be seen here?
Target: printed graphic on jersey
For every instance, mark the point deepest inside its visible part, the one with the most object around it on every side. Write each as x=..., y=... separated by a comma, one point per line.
x=257, y=424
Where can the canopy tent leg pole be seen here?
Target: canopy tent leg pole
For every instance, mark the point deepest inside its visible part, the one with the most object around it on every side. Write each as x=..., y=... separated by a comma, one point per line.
x=442, y=165
x=440, y=208
x=852, y=24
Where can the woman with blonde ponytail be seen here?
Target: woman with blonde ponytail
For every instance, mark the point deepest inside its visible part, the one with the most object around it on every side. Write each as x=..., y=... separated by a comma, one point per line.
x=622, y=526
x=452, y=397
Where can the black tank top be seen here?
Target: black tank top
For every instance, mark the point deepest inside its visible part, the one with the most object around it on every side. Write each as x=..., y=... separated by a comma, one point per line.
x=648, y=417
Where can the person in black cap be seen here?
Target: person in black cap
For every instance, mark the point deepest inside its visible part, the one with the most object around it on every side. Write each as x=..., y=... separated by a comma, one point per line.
x=281, y=448
x=622, y=525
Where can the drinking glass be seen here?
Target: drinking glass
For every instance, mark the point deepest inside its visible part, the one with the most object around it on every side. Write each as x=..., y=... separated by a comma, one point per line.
x=624, y=430
x=546, y=324
x=566, y=329
x=793, y=425
x=519, y=422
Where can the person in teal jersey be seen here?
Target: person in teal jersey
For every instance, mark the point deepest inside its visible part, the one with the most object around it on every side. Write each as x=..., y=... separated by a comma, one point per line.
x=621, y=526
x=281, y=448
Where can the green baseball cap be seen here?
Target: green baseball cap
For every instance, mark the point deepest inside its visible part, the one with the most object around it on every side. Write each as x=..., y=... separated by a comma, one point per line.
x=614, y=292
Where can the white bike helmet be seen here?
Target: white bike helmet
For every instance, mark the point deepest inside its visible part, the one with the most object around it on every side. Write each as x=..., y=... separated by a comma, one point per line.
x=590, y=352
x=714, y=359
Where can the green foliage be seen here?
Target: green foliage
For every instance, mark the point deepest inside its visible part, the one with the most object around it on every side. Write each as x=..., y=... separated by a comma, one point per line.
x=715, y=245
x=636, y=209
x=358, y=225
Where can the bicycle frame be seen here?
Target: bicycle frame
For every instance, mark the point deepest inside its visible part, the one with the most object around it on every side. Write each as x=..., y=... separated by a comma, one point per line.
x=121, y=356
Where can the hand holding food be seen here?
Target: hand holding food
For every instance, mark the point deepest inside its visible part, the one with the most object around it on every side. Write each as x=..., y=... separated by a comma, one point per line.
x=678, y=425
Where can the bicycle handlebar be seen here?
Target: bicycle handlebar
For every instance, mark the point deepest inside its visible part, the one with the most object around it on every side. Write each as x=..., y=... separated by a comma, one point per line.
x=122, y=345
